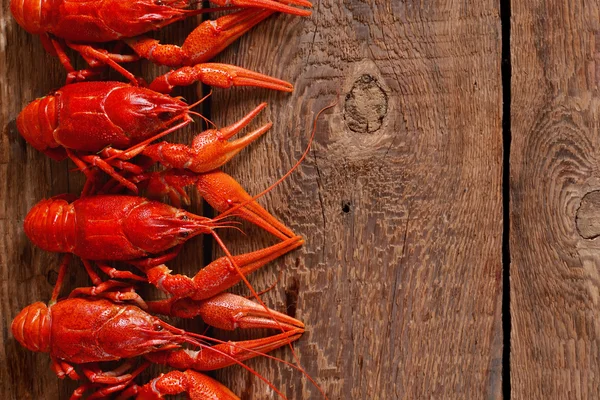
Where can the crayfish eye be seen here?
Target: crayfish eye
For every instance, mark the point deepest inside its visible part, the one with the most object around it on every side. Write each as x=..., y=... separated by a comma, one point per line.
x=185, y=234
x=158, y=327
x=184, y=217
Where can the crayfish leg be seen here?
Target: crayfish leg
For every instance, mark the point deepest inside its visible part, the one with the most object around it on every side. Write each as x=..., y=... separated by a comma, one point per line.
x=206, y=41
x=62, y=369
x=98, y=57
x=105, y=290
x=146, y=263
x=223, y=192
x=116, y=273
x=210, y=149
x=220, y=274
x=62, y=272
x=212, y=37
x=106, y=383
x=107, y=167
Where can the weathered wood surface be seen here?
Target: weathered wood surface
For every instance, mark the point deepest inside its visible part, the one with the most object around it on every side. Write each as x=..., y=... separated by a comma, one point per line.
x=554, y=180
x=399, y=283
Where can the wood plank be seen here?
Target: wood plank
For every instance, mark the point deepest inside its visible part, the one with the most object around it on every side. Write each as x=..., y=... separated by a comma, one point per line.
x=554, y=179
x=399, y=283
x=27, y=274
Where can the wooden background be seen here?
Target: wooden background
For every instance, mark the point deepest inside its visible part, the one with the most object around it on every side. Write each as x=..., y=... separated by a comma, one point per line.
x=555, y=178
x=400, y=201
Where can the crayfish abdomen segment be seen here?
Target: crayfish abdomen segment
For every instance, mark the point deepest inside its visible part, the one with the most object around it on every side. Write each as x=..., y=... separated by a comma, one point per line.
x=31, y=14
x=37, y=123
x=50, y=225
x=31, y=327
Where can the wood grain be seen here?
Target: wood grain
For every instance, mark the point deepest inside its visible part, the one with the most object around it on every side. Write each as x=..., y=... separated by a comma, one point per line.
x=399, y=283
x=554, y=174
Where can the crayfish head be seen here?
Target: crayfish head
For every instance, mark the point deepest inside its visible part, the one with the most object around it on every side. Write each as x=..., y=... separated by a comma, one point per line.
x=134, y=332
x=156, y=227
x=142, y=112
x=31, y=327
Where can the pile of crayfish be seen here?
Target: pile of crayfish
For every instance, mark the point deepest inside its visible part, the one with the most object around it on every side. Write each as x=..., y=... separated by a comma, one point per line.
x=109, y=130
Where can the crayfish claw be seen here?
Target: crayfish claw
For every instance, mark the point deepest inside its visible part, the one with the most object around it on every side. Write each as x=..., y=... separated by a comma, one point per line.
x=218, y=75
x=195, y=384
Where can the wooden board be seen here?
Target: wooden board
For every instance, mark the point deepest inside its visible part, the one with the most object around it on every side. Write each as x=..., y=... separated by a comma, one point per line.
x=554, y=181
x=399, y=283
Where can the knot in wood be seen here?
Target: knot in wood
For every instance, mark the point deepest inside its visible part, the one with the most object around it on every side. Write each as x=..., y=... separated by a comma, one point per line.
x=366, y=105
x=588, y=216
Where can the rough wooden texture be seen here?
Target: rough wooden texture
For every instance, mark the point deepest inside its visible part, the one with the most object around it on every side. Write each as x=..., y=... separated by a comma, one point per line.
x=399, y=283
x=554, y=175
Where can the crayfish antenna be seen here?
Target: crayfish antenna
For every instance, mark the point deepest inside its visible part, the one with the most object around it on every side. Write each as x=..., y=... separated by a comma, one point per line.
x=287, y=174
x=256, y=353
x=233, y=209
x=208, y=121
x=191, y=338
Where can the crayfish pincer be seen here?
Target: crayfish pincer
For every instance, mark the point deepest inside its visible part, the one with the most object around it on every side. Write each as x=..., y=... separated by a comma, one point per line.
x=80, y=332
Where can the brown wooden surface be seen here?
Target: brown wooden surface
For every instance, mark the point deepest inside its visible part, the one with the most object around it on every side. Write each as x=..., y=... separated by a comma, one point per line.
x=554, y=179
x=399, y=283
x=400, y=280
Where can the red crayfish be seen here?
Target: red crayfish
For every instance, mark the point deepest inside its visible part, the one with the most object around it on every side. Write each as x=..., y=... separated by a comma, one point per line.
x=86, y=331
x=81, y=24
x=143, y=233
x=104, y=124
x=148, y=233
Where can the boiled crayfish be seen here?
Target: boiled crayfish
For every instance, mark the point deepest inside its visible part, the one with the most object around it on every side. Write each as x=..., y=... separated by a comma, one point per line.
x=104, y=124
x=80, y=24
x=84, y=331
x=143, y=233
